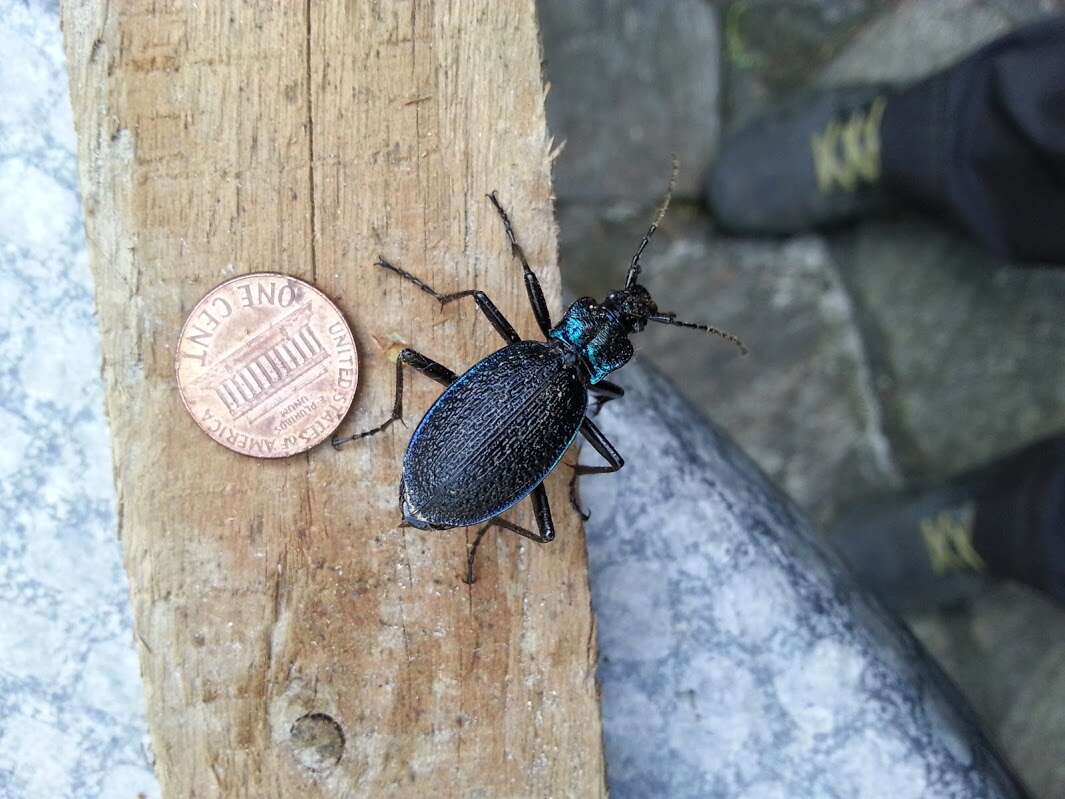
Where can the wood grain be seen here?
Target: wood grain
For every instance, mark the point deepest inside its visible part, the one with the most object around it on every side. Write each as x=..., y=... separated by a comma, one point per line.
x=219, y=138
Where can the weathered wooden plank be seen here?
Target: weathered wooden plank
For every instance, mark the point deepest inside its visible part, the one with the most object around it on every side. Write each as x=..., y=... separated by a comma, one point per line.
x=222, y=138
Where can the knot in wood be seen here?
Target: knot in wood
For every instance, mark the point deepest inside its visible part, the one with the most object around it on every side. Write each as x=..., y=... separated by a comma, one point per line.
x=317, y=741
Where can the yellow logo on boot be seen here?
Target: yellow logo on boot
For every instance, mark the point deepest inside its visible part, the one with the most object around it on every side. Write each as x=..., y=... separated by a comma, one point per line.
x=949, y=538
x=847, y=152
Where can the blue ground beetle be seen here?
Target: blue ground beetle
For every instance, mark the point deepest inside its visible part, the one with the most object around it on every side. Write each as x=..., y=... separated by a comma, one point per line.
x=501, y=428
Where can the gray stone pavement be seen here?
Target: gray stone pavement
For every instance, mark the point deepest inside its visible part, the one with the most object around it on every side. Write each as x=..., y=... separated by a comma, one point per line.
x=888, y=353
x=614, y=56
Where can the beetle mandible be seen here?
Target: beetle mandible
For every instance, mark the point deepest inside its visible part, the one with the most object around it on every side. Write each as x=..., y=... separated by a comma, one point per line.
x=499, y=429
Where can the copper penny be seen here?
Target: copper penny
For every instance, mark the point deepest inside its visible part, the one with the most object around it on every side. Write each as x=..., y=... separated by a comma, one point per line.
x=266, y=365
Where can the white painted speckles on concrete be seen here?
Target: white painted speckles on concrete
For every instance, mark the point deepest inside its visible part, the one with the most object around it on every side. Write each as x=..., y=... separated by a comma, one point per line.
x=823, y=691
x=766, y=790
x=38, y=770
x=33, y=643
x=37, y=213
x=71, y=712
x=753, y=604
x=125, y=781
x=15, y=443
x=28, y=82
x=632, y=719
x=877, y=764
x=59, y=354
x=110, y=682
x=720, y=718
x=25, y=66
x=644, y=628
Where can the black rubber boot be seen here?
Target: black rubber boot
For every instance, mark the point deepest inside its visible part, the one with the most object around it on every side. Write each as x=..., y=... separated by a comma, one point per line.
x=936, y=546
x=814, y=162
x=914, y=550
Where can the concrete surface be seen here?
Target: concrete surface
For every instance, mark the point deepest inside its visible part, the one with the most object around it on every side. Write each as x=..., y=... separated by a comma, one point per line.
x=71, y=708
x=738, y=660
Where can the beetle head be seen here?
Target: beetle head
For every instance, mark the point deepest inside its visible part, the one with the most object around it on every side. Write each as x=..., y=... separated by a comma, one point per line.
x=633, y=304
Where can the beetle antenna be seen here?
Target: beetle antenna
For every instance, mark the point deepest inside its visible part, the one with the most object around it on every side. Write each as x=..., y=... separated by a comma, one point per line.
x=671, y=319
x=634, y=267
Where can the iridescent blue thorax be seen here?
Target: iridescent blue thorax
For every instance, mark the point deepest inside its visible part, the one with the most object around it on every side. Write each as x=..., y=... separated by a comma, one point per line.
x=598, y=336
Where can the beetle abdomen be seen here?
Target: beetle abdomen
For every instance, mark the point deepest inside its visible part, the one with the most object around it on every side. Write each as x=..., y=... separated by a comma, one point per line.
x=492, y=436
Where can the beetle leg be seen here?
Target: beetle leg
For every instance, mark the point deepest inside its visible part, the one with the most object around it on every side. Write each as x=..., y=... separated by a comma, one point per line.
x=574, y=501
x=503, y=327
x=594, y=436
x=604, y=392
x=532, y=284
x=544, y=523
x=428, y=367
x=469, y=579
